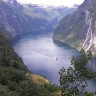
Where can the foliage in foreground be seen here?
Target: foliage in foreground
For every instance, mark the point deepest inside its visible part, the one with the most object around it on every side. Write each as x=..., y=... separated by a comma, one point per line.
x=13, y=75
x=73, y=81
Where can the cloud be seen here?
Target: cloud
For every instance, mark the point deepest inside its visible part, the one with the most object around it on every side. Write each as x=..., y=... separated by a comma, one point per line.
x=52, y=2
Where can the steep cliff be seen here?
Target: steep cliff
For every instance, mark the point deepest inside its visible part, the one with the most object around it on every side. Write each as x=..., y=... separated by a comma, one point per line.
x=16, y=22
x=79, y=28
x=17, y=19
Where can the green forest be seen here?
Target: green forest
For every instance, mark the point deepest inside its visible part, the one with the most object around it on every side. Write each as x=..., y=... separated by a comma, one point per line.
x=14, y=80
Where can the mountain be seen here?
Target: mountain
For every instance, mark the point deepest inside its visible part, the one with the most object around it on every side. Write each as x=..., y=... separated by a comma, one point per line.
x=16, y=80
x=79, y=28
x=17, y=19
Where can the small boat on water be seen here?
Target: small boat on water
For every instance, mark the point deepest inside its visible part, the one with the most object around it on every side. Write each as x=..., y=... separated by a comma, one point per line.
x=55, y=58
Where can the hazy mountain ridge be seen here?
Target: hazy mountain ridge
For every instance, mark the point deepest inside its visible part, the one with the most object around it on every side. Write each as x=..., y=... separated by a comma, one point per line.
x=79, y=28
x=18, y=19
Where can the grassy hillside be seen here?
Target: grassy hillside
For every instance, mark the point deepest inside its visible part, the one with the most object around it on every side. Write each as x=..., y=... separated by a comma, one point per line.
x=14, y=78
x=40, y=80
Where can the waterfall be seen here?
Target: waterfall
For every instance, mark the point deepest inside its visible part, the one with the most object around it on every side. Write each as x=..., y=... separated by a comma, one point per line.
x=89, y=37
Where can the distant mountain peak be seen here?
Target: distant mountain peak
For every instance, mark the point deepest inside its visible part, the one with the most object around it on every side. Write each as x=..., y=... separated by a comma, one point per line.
x=50, y=6
x=13, y=2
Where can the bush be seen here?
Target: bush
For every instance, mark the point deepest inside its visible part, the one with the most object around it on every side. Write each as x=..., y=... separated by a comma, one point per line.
x=73, y=81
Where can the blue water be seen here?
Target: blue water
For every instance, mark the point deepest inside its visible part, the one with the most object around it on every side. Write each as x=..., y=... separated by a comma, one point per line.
x=39, y=55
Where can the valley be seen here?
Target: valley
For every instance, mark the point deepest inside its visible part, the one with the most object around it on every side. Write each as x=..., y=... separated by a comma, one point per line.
x=38, y=54
x=37, y=41
x=17, y=19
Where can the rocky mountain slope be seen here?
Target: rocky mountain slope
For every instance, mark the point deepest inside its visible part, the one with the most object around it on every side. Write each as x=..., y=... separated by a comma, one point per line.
x=16, y=19
x=79, y=28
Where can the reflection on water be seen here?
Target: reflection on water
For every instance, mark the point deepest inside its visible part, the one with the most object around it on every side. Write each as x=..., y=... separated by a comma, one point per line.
x=42, y=56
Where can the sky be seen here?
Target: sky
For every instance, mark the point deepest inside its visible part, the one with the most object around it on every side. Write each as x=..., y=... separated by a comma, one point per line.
x=52, y=2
